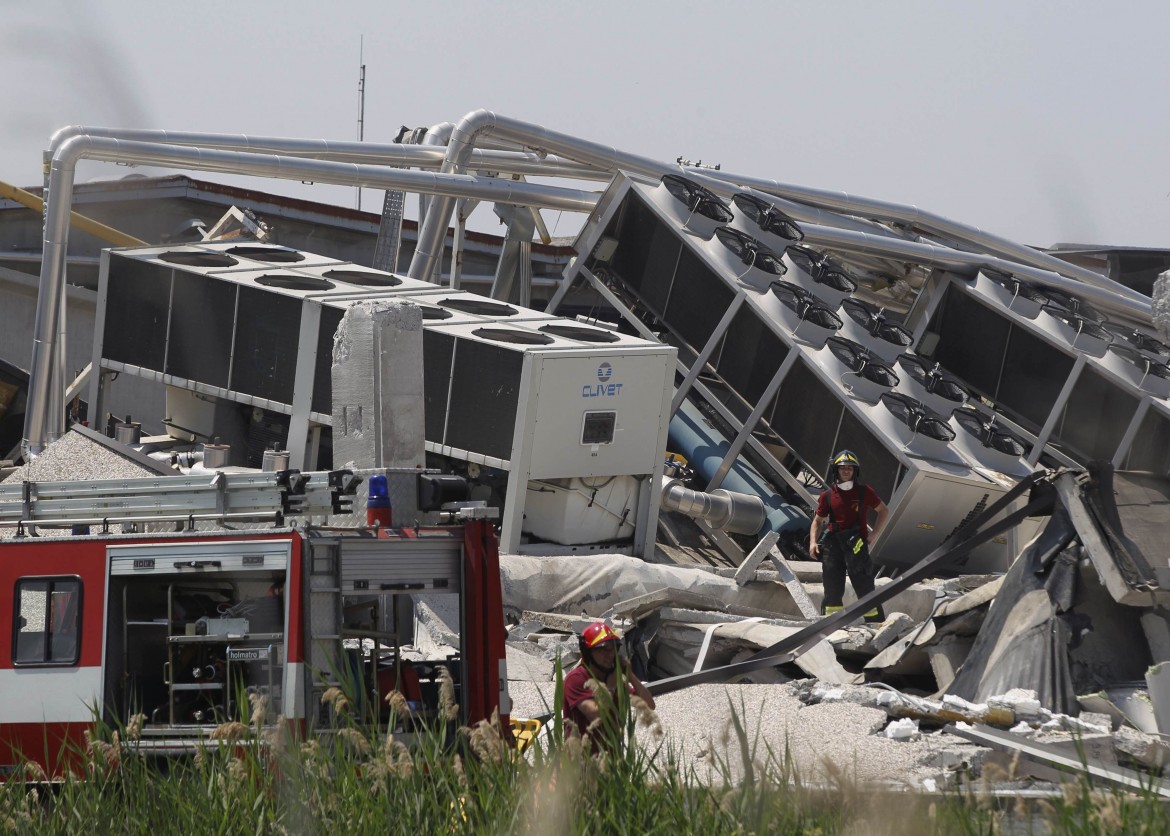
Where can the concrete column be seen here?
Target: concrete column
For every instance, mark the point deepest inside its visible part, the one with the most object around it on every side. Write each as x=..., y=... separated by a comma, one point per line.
x=378, y=386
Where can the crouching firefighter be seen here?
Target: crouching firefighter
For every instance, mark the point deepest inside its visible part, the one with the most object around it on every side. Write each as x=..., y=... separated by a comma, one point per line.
x=594, y=709
x=840, y=533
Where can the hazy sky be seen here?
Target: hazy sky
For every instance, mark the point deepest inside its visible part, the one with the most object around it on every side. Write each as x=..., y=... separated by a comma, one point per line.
x=1039, y=121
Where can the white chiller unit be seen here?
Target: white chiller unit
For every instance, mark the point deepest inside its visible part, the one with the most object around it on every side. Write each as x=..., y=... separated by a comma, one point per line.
x=576, y=415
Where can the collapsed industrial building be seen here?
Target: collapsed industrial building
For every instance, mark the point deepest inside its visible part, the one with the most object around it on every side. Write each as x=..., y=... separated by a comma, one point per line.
x=654, y=437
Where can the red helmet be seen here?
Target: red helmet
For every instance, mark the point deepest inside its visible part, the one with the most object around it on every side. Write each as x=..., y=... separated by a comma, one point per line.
x=597, y=634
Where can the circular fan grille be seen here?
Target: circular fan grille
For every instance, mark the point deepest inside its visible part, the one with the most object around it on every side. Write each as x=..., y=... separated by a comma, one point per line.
x=917, y=416
x=273, y=255
x=511, y=335
x=290, y=281
x=698, y=198
x=768, y=218
x=576, y=332
x=478, y=306
x=983, y=427
x=364, y=279
x=750, y=251
x=195, y=259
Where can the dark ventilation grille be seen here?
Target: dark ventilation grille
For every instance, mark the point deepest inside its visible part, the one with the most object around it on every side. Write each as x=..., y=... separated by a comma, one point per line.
x=767, y=217
x=137, y=313
x=803, y=257
x=322, y=400
x=363, y=279
x=1072, y=304
x=273, y=255
x=484, y=392
x=858, y=359
x=1017, y=287
x=189, y=259
x=585, y=335
x=698, y=199
x=199, y=346
x=438, y=349
x=917, y=416
x=264, y=361
x=750, y=251
x=932, y=378
x=289, y=281
x=430, y=312
x=478, y=307
x=805, y=305
x=874, y=321
x=511, y=335
x=983, y=428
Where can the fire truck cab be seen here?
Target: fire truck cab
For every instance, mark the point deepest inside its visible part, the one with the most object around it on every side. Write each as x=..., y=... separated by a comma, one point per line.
x=191, y=630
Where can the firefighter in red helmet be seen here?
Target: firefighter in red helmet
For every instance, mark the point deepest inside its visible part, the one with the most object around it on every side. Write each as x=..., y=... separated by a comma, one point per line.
x=583, y=706
x=841, y=534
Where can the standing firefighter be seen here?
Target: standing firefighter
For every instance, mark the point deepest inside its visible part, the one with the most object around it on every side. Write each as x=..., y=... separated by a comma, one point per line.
x=593, y=709
x=843, y=545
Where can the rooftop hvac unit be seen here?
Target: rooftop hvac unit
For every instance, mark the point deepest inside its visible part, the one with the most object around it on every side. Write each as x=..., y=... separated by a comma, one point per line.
x=779, y=371
x=927, y=382
x=695, y=208
x=866, y=324
x=566, y=406
x=862, y=374
x=983, y=441
x=818, y=273
x=745, y=258
x=763, y=220
x=522, y=391
x=1014, y=294
x=1073, y=305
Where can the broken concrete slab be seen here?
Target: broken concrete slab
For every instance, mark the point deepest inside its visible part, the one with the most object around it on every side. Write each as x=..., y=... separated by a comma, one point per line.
x=1157, y=630
x=639, y=606
x=946, y=657
x=896, y=625
x=592, y=584
x=1158, y=683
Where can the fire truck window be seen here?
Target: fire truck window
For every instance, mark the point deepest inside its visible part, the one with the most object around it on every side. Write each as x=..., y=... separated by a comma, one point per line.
x=47, y=621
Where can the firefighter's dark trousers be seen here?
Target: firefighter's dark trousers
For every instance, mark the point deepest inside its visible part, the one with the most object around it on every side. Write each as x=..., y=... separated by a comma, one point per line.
x=837, y=560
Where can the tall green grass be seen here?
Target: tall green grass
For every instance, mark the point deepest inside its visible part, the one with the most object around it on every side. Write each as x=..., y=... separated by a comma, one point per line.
x=253, y=779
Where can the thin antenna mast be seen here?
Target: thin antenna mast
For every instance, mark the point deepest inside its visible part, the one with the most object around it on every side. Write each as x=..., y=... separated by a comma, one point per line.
x=361, y=104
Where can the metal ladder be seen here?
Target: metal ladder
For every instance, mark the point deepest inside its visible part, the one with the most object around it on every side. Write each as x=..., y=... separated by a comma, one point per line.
x=218, y=496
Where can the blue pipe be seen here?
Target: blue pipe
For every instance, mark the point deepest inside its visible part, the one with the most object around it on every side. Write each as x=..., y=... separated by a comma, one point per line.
x=705, y=447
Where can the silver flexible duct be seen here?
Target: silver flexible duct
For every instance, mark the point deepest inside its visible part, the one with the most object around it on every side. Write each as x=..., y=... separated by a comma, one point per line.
x=428, y=155
x=43, y=424
x=479, y=124
x=738, y=513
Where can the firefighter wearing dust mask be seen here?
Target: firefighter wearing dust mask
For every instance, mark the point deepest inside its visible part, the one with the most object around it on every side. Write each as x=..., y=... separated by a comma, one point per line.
x=840, y=533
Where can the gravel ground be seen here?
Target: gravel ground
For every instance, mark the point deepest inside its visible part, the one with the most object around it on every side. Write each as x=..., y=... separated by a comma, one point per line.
x=73, y=457
x=827, y=743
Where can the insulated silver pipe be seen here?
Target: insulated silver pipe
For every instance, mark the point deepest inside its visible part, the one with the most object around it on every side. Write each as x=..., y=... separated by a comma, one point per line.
x=911, y=215
x=427, y=155
x=476, y=126
x=738, y=513
x=41, y=423
x=935, y=255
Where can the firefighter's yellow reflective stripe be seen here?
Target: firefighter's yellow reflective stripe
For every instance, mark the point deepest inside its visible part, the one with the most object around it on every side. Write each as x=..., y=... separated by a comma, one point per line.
x=872, y=614
x=831, y=610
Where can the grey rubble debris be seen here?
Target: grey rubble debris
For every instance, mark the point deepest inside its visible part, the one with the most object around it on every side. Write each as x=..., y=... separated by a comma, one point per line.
x=75, y=458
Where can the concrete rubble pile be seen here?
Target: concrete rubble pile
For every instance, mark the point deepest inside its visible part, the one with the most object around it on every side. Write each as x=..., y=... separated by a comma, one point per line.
x=1059, y=664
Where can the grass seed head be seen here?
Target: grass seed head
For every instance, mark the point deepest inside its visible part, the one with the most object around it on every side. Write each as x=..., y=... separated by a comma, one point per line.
x=447, y=703
x=234, y=730
x=336, y=698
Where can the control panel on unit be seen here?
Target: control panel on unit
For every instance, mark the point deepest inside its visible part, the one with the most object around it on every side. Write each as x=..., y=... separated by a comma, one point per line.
x=598, y=428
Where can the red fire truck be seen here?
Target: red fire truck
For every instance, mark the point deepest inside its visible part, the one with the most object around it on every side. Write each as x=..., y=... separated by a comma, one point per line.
x=185, y=627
